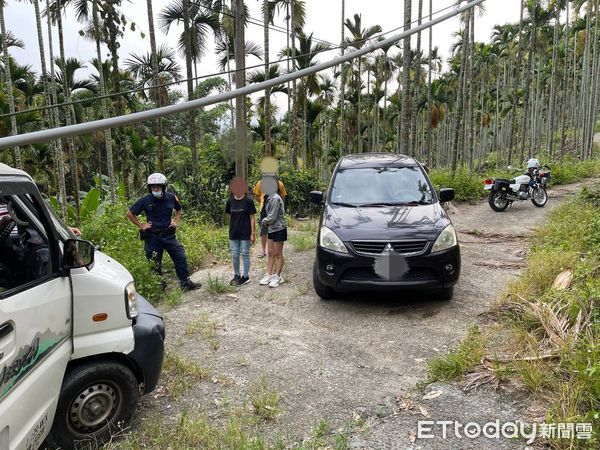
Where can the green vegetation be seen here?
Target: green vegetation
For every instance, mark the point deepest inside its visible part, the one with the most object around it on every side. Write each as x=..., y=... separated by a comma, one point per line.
x=551, y=335
x=468, y=185
x=119, y=238
x=455, y=364
x=264, y=399
x=302, y=241
x=206, y=328
x=181, y=374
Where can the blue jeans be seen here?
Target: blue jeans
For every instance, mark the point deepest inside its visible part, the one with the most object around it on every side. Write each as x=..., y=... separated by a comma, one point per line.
x=244, y=246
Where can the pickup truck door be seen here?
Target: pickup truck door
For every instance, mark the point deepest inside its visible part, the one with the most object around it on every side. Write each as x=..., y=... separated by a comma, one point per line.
x=35, y=317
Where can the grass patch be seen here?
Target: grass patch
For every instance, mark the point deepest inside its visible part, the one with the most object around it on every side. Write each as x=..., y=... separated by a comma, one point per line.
x=302, y=242
x=550, y=342
x=218, y=285
x=181, y=374
x=464, y=359
x=264, y=399
x=206, y=328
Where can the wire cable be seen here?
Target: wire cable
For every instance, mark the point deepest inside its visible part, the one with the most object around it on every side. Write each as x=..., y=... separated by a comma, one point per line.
x=201, y=77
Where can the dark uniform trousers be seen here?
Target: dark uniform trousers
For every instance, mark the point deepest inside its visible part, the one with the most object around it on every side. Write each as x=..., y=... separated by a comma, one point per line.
x=155, y=243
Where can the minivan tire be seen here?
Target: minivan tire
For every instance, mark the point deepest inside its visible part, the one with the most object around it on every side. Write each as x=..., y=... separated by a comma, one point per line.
x=325, y=292
x=98, y=385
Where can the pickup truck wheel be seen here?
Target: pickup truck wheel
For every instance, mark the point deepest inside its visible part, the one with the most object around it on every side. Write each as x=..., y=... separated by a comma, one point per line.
x=96, y=401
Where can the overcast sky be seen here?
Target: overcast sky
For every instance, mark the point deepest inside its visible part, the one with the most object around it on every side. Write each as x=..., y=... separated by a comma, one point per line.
x=323, y=18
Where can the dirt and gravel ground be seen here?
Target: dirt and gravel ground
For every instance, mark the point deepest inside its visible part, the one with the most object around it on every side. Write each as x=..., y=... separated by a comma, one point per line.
x=356, y=359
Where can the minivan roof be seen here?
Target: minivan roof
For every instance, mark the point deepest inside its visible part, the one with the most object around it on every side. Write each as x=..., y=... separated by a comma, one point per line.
x=360, y=160
x=7, y=170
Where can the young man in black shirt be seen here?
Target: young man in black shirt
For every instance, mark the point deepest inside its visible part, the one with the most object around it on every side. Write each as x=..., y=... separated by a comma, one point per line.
x=241, y=229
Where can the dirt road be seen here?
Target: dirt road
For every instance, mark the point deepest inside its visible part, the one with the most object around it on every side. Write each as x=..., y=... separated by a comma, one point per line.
x=351, y=360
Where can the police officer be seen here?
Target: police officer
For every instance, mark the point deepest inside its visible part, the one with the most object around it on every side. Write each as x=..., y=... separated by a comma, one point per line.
x=159, y=230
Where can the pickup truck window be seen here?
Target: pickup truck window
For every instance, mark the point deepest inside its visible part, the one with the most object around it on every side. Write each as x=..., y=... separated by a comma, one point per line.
x=24, y=250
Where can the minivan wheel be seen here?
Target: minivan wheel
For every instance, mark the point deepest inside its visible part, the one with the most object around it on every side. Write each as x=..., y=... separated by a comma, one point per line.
x=325, y=292
x=96, y=401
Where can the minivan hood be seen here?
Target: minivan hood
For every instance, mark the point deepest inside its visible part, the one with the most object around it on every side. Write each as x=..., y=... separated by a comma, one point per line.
x=386, y=222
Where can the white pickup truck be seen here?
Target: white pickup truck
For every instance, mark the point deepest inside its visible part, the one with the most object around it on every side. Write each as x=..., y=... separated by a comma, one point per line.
x=78, y=345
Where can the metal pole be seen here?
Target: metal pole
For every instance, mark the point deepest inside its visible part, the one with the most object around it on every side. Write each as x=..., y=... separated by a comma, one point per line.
x=113, y=122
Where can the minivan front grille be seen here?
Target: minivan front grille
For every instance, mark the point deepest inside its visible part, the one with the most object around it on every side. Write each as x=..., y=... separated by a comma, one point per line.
x=377, y=247
x=368, y=274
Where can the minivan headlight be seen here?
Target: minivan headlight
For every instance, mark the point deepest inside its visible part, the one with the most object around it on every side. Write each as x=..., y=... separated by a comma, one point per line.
x=131, y=301
x=329, y=240
x=445, y=240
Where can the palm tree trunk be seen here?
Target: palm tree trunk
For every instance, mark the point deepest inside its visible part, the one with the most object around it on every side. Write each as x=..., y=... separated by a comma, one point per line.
x=8, y=84
x=517, y=81
x=430, y=159
x=157, y=96
x=267, y=110
x=190, y=87
x=405, y=124
x=416, y=94
x=343, y=85
x=527, y=93
x=358, y=127
x=459, y=130
x=552, y=100
x=62, y=189
x=69, y=117
x=565, y=85
x=241, y=161
x=471, y=120
x=58, y=156
x=103, y=107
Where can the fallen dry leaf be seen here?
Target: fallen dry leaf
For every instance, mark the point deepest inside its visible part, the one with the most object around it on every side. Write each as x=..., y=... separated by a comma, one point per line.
x=563, y=280
x=432, y=394
x=412, y=436
x=424, y=412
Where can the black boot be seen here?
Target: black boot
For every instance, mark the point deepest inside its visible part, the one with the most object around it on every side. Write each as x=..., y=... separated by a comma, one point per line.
x=189, y=285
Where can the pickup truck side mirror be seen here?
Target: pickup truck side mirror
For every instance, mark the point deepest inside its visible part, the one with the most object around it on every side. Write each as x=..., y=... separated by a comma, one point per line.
x=446, y=195
x=78, y=253
x=317, y=197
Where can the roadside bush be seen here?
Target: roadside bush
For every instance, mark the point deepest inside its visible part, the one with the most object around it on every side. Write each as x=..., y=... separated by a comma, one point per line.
x=119, y=239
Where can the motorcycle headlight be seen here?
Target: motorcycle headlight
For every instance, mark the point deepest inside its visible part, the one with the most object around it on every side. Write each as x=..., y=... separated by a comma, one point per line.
x=131, y=301
x=446, y=239
x=329, y=240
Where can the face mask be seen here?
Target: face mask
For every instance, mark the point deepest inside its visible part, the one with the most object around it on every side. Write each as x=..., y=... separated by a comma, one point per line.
x=157, y=194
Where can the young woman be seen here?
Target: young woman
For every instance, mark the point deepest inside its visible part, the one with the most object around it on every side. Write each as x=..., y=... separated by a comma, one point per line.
x=277, y=235
x=241, y=230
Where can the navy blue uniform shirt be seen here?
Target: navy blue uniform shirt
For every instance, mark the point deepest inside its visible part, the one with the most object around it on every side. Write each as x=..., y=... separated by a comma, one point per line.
x=159, y=211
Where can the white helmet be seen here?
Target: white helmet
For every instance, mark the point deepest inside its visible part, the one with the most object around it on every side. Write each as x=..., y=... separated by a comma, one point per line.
x=157, y=178
x=533, y=164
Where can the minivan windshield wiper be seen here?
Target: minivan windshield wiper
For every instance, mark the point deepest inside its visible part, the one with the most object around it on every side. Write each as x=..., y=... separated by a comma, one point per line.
x=351, y=205
x=411, y=203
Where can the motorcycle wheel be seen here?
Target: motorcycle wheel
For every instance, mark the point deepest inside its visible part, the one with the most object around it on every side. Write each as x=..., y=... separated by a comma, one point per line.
x=539, y=197
x=498, y=201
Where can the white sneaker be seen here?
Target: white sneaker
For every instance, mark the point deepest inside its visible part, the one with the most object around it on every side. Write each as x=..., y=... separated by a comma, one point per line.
x=275, y=281
x=266, y=279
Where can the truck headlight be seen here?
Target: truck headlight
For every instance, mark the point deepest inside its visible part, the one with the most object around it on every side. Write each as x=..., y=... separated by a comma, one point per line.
x=446, y=239
x=131, y=301
x=329, y=240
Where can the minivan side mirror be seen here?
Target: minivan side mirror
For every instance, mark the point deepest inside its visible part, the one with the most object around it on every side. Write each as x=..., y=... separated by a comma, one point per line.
x=78, y=253
x=317, y=197
x=446, y=195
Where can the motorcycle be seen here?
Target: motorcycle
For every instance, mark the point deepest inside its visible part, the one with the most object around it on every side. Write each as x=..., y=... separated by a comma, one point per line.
x=531, y=185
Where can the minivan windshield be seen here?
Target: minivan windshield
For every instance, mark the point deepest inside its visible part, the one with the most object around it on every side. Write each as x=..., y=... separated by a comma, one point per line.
x=381, y=186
